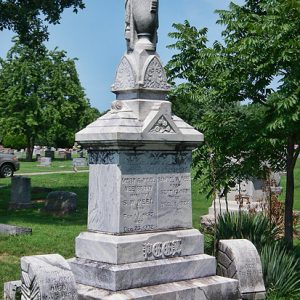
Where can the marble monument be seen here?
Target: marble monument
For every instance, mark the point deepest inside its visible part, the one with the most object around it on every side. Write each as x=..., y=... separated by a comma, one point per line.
x=140, y=243
x=140, y=238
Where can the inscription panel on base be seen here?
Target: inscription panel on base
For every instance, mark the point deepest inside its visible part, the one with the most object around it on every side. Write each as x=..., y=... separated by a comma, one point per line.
x=152, y=202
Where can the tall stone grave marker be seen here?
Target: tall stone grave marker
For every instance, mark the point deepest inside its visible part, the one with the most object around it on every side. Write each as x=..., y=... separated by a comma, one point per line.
x=20, y=193
x=140, y=212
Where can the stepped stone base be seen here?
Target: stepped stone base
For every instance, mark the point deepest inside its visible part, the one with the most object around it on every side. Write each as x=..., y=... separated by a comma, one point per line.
x=209, y=288
x=134, y=275
x=115, y=249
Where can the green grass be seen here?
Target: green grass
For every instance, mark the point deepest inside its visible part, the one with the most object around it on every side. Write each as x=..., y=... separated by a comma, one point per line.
x=57, y=234
x=56, y=165
x=50, y=234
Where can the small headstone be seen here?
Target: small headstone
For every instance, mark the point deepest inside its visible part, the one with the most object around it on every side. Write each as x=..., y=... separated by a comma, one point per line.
x=45, y=162
x=65, y=155
x=12, y=290
x=240, y=260
x=79, y=162
x=14, y=230
x=47, y=277
x=207, y=222
x=50, y=154
x=20, y=192
x=60, y=202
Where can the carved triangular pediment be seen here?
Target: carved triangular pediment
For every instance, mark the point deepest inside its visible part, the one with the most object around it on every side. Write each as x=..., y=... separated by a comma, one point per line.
x=125, y=77
x=162, y=126
x=155, y=75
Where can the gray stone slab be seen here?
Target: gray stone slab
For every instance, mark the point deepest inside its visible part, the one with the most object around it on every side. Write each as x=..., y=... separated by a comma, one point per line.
x=128, y=276
x=61, y=202
x=14, y=230
x=45, y=161
x=122, y=249
x=79, y=162
x=47, y=277
x=139, y=191
x=20, y=192
x=12, y=290
x=210, y=288
x=239, y=259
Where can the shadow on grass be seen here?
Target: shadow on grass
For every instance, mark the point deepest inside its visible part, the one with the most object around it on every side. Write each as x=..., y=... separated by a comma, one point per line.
x=36, y=216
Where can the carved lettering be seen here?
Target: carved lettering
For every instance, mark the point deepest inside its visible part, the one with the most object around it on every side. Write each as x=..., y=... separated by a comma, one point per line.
x=162, y=249
x=145, y=199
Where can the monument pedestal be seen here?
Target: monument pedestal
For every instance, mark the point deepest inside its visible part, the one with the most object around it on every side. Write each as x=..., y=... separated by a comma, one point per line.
x=208, y=288
x=140, y=239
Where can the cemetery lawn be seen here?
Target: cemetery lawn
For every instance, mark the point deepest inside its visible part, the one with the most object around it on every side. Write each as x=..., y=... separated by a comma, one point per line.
x=57, y=165
x=50, y=234
x=53, y=234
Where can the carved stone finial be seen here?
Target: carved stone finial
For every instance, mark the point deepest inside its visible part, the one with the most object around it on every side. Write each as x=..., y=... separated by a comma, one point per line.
x=141, y=24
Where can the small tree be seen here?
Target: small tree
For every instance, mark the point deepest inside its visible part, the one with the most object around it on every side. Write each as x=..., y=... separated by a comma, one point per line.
x=41, y=97
x=260, y=44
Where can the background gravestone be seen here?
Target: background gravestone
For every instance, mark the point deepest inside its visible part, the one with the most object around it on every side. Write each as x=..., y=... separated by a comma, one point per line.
x=45, y=162
x=14, y=230
x=61, y=202
x=239, y=259
x=20, y=192
x=50, y=153
x=79, y=162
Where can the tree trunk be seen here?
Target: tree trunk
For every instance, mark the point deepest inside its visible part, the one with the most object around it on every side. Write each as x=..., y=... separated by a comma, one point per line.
x=289, y=197
x=30, y=145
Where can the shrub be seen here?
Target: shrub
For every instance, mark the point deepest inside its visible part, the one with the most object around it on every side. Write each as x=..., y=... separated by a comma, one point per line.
x=281, y=271
x=254, y=227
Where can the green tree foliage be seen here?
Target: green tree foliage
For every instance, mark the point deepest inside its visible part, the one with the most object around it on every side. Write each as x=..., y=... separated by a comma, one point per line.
x=41, y=98
x=260, y=45
x=28, y=18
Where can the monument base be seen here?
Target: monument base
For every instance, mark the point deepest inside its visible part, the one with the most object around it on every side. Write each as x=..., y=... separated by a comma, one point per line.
x=141, y=274
x=209, y=288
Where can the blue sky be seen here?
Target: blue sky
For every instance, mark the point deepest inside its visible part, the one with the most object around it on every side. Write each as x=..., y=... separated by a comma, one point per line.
x=96, y=37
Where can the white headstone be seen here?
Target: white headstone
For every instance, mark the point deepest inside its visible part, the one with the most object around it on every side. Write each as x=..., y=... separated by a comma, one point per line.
x=240, y=260
x=79, y=162
x=47, y=277
x=45, y=161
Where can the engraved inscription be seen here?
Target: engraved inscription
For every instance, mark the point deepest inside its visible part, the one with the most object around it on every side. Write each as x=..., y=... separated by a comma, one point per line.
x=138, y=204
x=175, y=192
x=162, y=249
x=155, y=201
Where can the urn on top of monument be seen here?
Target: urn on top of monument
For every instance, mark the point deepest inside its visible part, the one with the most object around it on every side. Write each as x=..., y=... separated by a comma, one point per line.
x=141, y=23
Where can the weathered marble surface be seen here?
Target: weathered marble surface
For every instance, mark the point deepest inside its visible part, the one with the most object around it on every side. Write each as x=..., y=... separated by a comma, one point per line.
x=139, y=191
x=131, y=121
x=47, y=277
x=209, y=288
x=239, y=259
x=115, y=249
x=133, y=275
x=12, y=290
